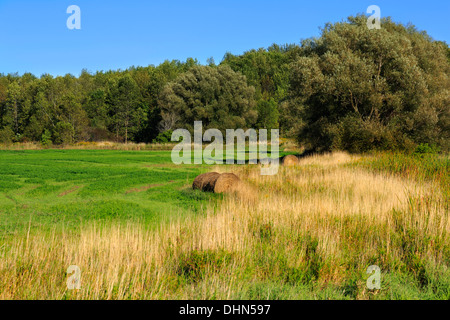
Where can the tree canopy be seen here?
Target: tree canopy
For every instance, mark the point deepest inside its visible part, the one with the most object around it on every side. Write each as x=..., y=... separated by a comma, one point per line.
x=218, y=96
x=351, y=88
x=357, y=89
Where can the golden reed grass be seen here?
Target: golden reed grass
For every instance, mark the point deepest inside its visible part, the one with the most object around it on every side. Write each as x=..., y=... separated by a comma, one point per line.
x=356, y=217
x=90, y=145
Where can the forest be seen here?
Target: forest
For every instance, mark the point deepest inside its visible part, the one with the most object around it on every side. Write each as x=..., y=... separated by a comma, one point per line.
x=351, y=89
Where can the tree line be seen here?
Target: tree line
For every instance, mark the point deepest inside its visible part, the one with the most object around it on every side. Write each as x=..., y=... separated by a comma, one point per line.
x=350, y=89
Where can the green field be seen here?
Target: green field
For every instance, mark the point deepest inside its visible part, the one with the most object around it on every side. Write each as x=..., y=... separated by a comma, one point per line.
x=56, y=188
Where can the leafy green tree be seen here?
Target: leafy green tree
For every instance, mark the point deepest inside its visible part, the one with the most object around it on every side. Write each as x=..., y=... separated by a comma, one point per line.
x=159, y=76
x=46, y=138
x=97, y=108
x=218, y=96
x=126, y=110
x=72, y=112
x=266, y=70
x=35, y=128
x=358, y=89
x=6, y=136
x=13, y=104
x=64, y=133
x=267, y=114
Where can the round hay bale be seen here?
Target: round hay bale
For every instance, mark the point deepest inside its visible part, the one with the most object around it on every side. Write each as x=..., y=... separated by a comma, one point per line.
x=289, y=160
x=206, y=181
x=226, y=182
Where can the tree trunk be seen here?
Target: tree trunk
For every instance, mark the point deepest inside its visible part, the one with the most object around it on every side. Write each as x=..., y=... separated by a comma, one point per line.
x=126, y=130
x=16, y=123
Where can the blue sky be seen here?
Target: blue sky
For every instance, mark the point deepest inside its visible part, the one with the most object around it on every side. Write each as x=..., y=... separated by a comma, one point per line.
x=118, y=34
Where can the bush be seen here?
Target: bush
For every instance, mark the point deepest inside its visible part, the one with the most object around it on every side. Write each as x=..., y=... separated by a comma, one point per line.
x=163, y=137
x=356, y=135
x=424, y=148
x=46, y=139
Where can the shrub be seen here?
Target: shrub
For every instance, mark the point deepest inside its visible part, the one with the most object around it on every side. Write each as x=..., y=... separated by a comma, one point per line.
x=424, y=148
x=46, y=138
x=356, y=135
x=164, y=137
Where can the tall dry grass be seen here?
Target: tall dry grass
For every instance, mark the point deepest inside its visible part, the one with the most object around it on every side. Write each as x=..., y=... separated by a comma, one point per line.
x=101, y=145
x=318, y=225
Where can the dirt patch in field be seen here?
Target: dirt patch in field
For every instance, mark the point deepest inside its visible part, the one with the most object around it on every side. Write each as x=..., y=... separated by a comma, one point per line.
x=28, y=190
x=62, y=194
x=144, y=188
x=10, y=198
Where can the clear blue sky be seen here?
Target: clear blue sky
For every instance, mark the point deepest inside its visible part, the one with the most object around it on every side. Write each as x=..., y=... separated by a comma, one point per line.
x=118, y=34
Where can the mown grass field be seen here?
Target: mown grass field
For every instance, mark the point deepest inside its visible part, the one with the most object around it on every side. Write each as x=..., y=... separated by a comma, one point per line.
x=63, y=188
x=131, y=222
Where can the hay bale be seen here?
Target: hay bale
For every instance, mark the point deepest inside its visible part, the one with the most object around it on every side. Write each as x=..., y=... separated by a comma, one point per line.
x=226, y=182
x=289, y=160
x=206, y=181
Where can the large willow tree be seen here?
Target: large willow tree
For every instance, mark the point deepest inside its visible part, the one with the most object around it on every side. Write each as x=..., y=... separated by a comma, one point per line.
x=358, y=89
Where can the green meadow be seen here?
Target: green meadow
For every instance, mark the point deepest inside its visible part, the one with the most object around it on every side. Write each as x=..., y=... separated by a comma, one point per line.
x=57, y=188
x=61, y=188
